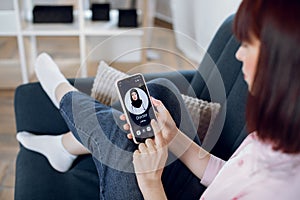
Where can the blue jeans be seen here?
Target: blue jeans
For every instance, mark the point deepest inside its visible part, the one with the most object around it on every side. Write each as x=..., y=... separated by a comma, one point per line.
x=98, y=128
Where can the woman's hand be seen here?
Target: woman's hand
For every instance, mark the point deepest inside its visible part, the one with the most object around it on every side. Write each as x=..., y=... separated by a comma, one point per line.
x=149, y=160
x=164, y=119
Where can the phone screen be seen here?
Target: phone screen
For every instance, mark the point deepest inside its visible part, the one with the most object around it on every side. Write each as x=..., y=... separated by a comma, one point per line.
x=137, y=106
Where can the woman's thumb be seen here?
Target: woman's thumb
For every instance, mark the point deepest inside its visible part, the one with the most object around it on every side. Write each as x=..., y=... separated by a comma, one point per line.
x=157, y=132
x=158, y=105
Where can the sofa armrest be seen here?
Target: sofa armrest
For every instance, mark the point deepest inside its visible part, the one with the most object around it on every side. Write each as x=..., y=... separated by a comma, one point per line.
x=35, y=112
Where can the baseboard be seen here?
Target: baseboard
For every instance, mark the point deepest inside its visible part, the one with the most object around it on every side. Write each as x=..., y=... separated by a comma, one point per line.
x=164, y=18
x=161, y=23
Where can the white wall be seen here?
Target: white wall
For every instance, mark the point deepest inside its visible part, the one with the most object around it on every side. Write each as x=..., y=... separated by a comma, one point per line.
x=7, y=5
x=198, y=20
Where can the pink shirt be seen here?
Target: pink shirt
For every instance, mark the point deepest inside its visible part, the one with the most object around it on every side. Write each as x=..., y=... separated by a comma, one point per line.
x=255, y=171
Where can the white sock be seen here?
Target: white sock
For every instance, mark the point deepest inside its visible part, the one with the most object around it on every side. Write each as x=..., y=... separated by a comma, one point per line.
x=49, y=76
x=50, y=146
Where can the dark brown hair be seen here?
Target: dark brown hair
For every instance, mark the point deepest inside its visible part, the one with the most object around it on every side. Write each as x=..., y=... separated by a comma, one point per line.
x=273, y=107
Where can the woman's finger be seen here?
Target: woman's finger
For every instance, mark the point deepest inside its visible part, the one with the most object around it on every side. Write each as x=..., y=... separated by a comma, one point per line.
x=142, y=148
x=136, y=152
x=150, y=145
x=126, y=127
x=129, y=136
x=123, y=117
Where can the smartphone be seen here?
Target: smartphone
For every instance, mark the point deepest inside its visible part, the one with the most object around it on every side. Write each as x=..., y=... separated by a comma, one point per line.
x=137, y=106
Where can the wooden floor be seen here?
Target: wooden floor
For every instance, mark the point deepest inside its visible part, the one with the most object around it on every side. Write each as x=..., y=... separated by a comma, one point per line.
x=167, y=59
x=8, y=145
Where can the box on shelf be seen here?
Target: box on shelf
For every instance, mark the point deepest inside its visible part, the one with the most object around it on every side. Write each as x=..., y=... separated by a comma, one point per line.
x=53, y=14
x=127, y=18
x=100, y=11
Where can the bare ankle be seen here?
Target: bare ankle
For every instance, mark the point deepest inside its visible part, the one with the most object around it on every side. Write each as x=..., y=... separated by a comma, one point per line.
x=73, y=146
x=63, y=89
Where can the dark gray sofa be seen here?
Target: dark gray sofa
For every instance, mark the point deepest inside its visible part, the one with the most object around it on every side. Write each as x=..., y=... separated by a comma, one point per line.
x=35, y=179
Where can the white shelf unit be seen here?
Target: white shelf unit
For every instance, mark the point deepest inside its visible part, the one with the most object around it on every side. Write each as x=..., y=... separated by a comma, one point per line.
x=10, y=27
x=17, y=24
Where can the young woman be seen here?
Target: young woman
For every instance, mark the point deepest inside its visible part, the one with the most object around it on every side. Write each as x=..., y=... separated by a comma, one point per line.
x=265, y=166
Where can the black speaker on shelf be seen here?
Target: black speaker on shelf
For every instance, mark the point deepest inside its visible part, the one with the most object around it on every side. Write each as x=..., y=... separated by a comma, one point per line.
x=127, y=18
x=53, y=14
x=100, y=11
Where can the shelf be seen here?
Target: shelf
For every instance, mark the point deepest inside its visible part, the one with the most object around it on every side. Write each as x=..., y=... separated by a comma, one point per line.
x=17, y=22
x=91, y=28
x=31, y=29
x=109, y=28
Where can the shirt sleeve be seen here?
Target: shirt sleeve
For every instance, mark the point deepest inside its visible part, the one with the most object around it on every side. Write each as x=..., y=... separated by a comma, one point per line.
x=215, y=164
x=213, y=167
